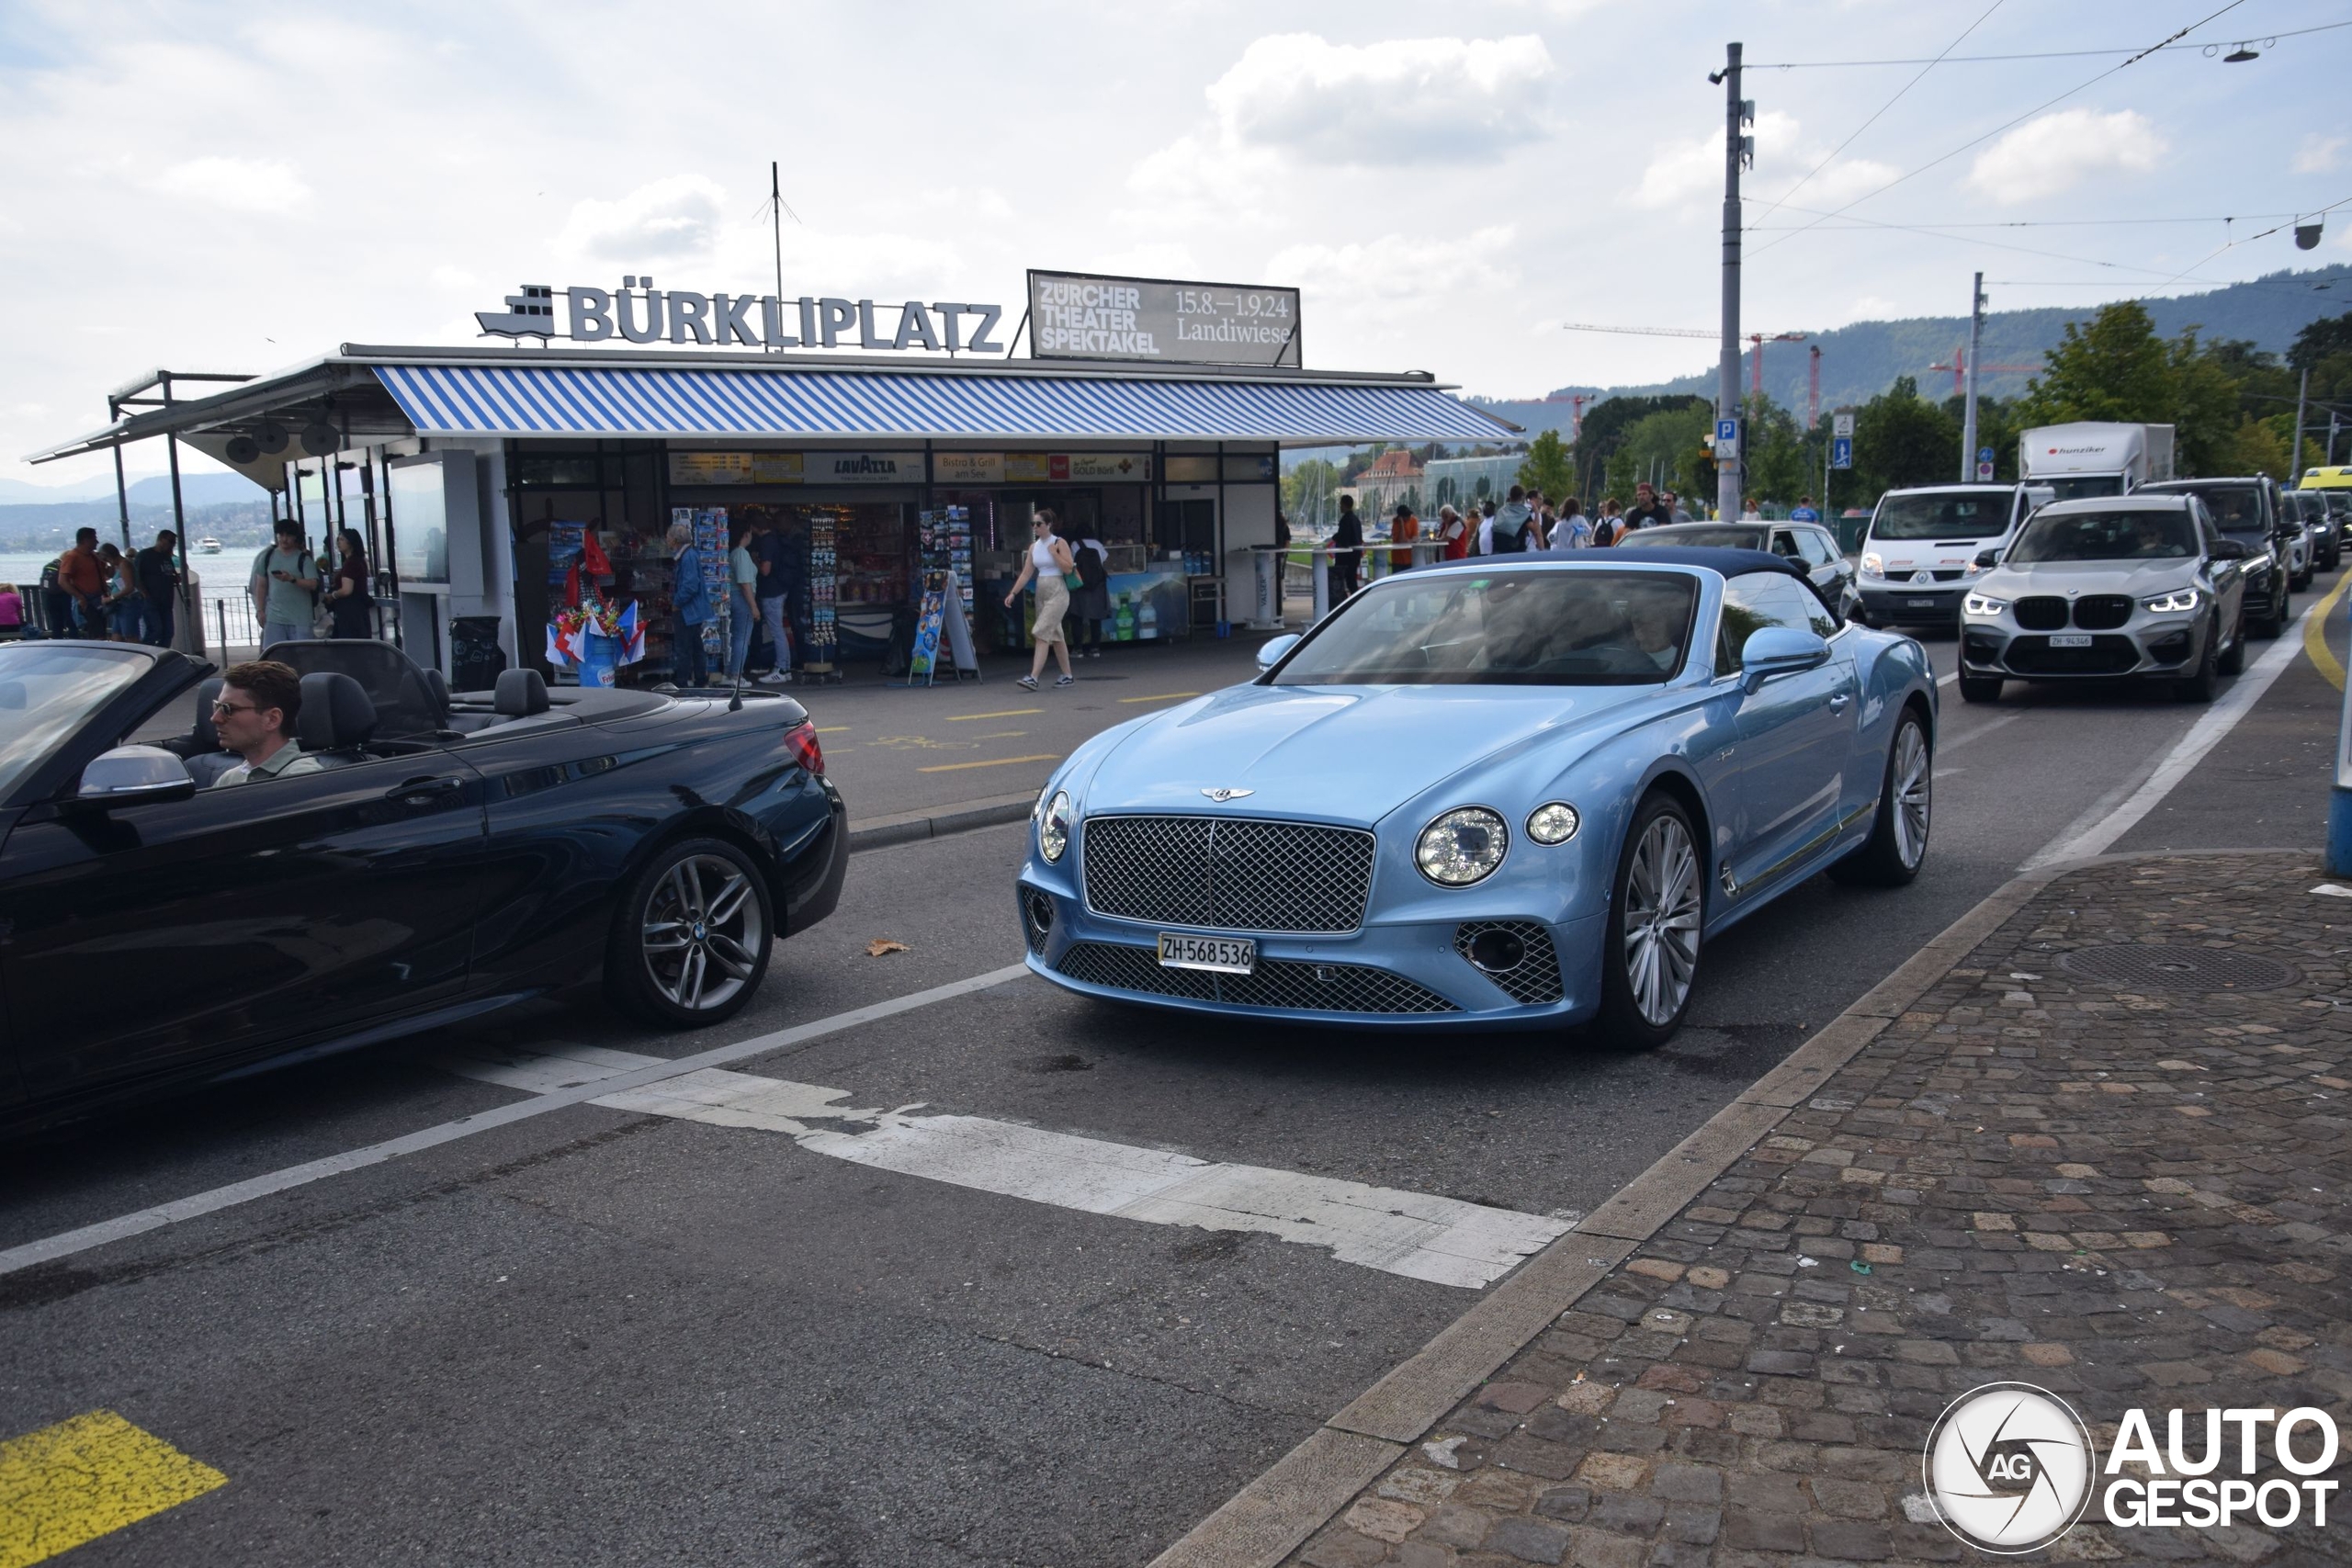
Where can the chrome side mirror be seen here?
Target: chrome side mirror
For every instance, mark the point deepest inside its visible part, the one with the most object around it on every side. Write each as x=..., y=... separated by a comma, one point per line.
x=133, y=775
x=1272, y=653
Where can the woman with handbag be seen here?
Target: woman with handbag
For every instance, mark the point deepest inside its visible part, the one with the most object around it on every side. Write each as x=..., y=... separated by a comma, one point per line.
x=348, y=602
x=1050, y=564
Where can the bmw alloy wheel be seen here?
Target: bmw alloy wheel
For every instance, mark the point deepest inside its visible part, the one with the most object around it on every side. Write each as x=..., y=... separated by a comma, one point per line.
x=701, y=933
x=1661, y=920
x=1914, y=787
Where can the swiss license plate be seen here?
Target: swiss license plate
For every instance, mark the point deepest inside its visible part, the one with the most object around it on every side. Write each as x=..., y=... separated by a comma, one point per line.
x=1921, y=603
x=2070, y=639
x=1225, y=955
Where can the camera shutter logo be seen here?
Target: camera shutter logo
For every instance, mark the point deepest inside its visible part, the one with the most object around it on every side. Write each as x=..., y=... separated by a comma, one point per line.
x=2009, y=1467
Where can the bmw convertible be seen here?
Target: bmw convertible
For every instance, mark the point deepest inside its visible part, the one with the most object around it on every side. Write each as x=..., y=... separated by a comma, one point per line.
x=1524, y=791
x=451, y=854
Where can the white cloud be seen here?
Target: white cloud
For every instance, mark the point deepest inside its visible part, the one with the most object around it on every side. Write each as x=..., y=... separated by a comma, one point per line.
x=1683, y=172
x=2057, y=151
x=2319, y=154
x=1402, y=101
x=1397, y=270
x=241, y=185
x=666, y=219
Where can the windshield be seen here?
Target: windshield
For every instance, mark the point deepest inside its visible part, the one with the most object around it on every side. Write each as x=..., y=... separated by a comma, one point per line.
x=1954, y=514
x=2236, y=509
x=2105, y=536
x=47, y=688
x=1670, y=538
x=2089, y=486
x=1511, y=628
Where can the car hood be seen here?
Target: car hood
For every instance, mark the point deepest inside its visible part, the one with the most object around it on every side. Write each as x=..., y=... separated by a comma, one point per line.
x=1954, y=553
x=2133, y=577
x=1339, y=754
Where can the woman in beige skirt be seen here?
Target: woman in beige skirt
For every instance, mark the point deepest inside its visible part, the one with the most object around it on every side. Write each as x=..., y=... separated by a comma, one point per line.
x=1048, y=558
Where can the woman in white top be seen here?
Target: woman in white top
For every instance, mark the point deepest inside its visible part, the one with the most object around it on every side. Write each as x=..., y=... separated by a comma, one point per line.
x=1047, y=562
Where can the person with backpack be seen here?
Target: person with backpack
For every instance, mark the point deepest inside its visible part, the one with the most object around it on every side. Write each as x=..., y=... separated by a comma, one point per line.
x=285, y=587
x=1610, y=527
x=1508, y=531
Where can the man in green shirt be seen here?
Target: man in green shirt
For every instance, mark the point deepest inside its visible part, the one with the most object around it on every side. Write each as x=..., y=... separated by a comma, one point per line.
x=254, y=717
x=286, y=588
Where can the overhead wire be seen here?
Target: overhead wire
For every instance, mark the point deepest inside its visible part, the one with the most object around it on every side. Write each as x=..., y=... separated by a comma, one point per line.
x=1990, y=59
x=2231, y=245
x=1831, y=155
x=2005, y=125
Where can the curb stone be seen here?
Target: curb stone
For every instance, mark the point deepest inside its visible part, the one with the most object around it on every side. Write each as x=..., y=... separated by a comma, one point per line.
x=938, y=822
x=1275, y=1514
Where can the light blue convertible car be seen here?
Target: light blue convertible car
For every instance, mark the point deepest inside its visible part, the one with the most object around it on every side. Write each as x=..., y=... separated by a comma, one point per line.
x=1496, y=793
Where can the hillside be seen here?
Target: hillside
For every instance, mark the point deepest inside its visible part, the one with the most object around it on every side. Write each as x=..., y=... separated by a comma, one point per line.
x=1862, y=360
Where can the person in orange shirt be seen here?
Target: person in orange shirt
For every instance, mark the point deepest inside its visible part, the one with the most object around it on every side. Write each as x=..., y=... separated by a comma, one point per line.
x=79, y=573
x=1404, y=530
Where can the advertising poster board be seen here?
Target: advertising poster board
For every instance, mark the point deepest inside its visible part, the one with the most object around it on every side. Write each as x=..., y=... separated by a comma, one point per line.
x=1078, y=316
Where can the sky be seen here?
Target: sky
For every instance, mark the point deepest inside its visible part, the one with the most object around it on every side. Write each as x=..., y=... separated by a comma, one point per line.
x=226, y=188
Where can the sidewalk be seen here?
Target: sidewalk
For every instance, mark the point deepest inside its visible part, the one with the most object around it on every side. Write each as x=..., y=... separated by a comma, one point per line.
x=2061, y=1165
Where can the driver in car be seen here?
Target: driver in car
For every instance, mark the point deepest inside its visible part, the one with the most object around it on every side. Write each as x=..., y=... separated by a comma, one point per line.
x=1658, y=628
x=255, y=718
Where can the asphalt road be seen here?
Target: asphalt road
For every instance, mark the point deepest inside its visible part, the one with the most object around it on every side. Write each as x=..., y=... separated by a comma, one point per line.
x=602, y=1335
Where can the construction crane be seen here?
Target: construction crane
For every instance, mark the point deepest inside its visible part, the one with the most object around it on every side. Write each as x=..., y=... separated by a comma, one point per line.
x=1755, y=341
x=1958, y=366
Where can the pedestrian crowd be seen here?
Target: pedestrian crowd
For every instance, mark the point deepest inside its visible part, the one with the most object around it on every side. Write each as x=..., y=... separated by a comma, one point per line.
x=95, y=593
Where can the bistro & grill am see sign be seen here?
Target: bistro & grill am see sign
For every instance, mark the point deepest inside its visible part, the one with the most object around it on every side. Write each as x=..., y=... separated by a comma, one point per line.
x=638, y=312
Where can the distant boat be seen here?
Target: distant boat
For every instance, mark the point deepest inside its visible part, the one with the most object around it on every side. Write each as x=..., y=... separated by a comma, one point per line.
x=207, y=547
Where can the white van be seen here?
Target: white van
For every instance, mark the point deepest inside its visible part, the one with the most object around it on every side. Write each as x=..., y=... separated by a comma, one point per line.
x=1920, y=548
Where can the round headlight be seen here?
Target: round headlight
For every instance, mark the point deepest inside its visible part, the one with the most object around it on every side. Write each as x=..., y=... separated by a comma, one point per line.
x=1461, y=847
x=1554, y=824
x=1053, y=827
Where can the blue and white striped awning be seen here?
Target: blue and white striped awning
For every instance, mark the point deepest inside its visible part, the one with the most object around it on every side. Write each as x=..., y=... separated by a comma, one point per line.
x=469, y=400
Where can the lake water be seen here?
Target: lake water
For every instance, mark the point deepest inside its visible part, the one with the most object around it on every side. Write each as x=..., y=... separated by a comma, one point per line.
x=218, y=578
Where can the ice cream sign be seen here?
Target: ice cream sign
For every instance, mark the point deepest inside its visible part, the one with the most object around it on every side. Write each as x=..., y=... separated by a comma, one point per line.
x=638, y=312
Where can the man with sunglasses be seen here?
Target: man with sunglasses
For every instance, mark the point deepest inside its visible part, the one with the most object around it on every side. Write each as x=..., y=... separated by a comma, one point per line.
x=255, y=718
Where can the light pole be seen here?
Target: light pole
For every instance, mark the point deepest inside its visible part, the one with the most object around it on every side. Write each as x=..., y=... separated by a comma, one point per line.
x=1738, y=150
x=1968, y=419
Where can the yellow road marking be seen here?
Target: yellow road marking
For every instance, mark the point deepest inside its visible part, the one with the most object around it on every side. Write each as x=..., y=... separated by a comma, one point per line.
x=837, y=730
x=87, y=1477
x=1001, y=713
x=2315, y=635
x=957, y=767
x=1000, y=734
x=1162, y=697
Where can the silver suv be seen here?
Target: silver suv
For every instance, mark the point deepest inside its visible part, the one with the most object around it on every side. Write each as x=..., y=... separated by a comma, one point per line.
x=2135, y=585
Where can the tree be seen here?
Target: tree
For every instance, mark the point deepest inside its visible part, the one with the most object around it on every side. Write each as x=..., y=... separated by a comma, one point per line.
x=1901, y=439
x=2116, y=368
x=1547, y=468
x=1780, y=459
x=1604, y=431
x=1668, y=447
x=1307, y=490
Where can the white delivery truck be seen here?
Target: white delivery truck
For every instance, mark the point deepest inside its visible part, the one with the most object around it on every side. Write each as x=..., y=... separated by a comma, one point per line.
x=2091, y=457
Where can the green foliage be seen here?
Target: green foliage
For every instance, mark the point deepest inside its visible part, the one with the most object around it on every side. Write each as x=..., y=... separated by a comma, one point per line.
x=1307, y=489
x=1901, y=439
x=2116, y=368
x=1783, y=461
x=1547, y=468
x=1606, y=424
x=1669, y=446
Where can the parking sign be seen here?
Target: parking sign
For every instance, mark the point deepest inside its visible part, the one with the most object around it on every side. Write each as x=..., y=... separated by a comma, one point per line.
x=1727, y=438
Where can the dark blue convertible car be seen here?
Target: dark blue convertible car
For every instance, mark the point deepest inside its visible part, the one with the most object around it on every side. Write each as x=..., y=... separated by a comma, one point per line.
x=452, y=854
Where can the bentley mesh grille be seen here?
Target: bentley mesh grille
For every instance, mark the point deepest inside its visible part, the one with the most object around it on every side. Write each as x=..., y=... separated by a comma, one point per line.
x=1227, y=873
x=2041, y=613
x=1278, y=982
x=1536, y=976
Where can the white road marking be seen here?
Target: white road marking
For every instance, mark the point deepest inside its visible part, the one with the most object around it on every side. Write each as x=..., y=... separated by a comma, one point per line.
x=2097, y=829
x=1441, y=1240
x=67, y=1242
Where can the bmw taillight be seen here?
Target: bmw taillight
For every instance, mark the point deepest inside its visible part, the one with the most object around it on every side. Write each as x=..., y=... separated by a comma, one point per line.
x=801, y=741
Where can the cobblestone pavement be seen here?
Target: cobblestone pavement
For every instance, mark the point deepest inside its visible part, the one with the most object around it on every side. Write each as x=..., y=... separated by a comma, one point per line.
x=2130, y=1191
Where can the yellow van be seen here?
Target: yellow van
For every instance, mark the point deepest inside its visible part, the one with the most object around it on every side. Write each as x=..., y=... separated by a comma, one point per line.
x=2338, y=478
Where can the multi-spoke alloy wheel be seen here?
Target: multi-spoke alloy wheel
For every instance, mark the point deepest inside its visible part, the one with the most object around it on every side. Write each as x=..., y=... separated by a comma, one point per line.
x=690, y=940
x=1897, y=846
x=1914, y=784
x=1653, y=926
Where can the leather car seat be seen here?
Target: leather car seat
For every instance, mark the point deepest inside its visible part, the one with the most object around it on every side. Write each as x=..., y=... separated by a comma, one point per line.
x=336, y=719
x=206, y=760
